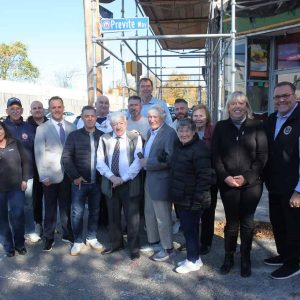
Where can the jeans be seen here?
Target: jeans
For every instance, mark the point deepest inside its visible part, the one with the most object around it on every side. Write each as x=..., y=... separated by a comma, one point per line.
x=92, y=192
x=189, y=221
x=12, y=221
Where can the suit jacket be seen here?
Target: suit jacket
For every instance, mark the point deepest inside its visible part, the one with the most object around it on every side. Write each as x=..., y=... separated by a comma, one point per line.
x=158, y=170
x=48, y=150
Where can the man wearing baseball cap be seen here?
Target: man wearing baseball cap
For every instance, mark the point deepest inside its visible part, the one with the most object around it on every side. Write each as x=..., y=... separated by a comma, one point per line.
x=24, y=132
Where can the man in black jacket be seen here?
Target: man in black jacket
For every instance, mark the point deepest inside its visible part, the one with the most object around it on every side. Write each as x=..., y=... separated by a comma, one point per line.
x=79, y=161
x=282, y=180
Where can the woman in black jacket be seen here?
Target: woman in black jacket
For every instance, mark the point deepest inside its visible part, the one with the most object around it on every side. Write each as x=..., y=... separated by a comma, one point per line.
x=191, y=178
x=14, y=173
x=239, y=152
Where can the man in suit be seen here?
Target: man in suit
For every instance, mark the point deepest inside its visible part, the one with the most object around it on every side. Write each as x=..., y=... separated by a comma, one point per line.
x=48, y=146
x=158, y=150
x=282, y=180
x=118, y=163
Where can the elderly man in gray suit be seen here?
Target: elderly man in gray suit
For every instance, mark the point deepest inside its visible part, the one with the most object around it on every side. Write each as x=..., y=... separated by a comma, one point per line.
x=158, y=149
x=48, y=146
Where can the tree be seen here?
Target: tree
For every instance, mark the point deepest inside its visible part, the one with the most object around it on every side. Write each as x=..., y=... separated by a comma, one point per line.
x=14, y=62
x=64, y=78
x=178, y=88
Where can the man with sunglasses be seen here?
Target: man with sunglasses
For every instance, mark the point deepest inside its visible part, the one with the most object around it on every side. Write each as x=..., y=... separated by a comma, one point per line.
x=282, y=180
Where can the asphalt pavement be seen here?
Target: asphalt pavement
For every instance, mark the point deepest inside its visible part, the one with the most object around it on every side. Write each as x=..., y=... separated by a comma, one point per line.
x=57, y=275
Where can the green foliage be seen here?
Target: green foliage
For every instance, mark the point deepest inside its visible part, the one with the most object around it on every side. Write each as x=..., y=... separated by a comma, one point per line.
x=14, y=63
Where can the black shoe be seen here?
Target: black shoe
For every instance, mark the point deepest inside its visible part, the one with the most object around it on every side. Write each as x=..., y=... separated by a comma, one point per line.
x=245, y=266
x=274, y=261
x=204, y=249
x=49, y=243
x=286, y=271
x=10, y=253
x=134, y=256
x=111, y=250
x=228, y=263
x=21, y=251
x=68, y=239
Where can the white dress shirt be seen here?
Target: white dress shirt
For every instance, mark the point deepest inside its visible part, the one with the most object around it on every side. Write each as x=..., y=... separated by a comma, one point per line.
x=57, y=127
x=127, y=171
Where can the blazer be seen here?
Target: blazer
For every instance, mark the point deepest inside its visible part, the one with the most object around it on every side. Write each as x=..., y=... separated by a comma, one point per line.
x=48, y=150
x=157, y=169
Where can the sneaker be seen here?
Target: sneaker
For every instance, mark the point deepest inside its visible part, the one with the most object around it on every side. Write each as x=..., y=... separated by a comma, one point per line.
x=274, y=261
x=181, y=262
x=189, y=266
x=176, y=227
x=286, y=271
x=38, y=229
x=32, y=237
x=49, y=243
x=162, y=255
x=76, y=249
x=150, y=248
x=94, y=244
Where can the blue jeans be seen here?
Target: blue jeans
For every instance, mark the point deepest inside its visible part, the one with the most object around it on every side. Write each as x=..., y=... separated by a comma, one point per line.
x=12, y=220
x=189, y=221
x=92, y=192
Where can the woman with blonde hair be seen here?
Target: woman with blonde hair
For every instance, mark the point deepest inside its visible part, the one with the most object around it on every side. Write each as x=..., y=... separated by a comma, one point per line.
x=240, y=152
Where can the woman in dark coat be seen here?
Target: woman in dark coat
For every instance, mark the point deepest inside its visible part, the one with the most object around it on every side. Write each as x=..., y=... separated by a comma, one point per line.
x=14, y=173
x=239, y=149
x=191, y=178
x=204, y=129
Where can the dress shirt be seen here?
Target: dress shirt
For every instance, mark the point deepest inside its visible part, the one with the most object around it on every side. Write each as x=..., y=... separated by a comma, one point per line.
x=57, y=127
x=281, y=120
x=127, y=171
x=154, y=101
x=153, y=134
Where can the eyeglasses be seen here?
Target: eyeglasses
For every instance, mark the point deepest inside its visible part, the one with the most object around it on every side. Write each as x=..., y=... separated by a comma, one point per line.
x=284, y=97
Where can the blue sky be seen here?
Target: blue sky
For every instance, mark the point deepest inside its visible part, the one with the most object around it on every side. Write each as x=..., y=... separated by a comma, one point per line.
x=53, y=30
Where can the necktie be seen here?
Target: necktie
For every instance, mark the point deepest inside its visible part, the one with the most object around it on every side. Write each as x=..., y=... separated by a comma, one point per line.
x=62, y=134
x=115, y=159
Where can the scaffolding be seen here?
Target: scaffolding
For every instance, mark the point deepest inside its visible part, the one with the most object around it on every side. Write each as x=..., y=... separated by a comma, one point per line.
x=215, y=50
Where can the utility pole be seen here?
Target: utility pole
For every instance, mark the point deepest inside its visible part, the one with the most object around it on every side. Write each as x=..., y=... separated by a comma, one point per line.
x=94, y=53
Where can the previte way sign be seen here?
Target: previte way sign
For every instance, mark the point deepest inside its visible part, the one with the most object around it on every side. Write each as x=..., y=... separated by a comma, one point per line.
x=124, y=24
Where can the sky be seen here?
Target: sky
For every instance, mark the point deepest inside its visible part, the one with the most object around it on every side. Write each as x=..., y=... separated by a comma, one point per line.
x=54, y=34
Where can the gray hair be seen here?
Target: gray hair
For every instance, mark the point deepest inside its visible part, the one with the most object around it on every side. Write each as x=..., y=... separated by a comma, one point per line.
x=240, y=96
x=186, y=123
x=116, y=116
x=159, y=111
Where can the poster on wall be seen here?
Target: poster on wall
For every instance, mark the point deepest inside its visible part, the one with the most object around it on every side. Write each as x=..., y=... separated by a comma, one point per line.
x=259, y=60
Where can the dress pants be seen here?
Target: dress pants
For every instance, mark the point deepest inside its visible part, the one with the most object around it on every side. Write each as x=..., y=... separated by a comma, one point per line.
x=12, y=221
x=285, y=221
x=240, y=205
x=131, y=205
x=189, y=221
x=58, y=194
x=208, y=219
x=158, y=220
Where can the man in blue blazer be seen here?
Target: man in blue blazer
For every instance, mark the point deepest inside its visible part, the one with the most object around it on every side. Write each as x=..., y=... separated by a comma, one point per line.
x=48, y=146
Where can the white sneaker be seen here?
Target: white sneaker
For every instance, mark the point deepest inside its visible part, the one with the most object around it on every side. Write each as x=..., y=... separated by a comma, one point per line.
x=76, y=249
x=189, y=266
x=150, y=248
x=94, y=244
x=32, y=237
x=176, y=227
x=180, y=263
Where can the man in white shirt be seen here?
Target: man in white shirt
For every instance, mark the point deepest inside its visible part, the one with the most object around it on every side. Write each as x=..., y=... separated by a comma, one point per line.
x=145, y=90
x=136, y=121
x=118, y=163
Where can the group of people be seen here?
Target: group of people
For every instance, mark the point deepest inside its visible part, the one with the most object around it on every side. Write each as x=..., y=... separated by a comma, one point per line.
x=144, y=160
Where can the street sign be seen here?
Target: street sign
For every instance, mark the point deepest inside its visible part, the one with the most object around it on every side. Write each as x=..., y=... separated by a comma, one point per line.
x=124, y=24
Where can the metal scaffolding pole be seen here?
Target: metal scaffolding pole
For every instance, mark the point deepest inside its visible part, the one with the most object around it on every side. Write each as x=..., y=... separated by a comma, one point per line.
x=233, y=37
